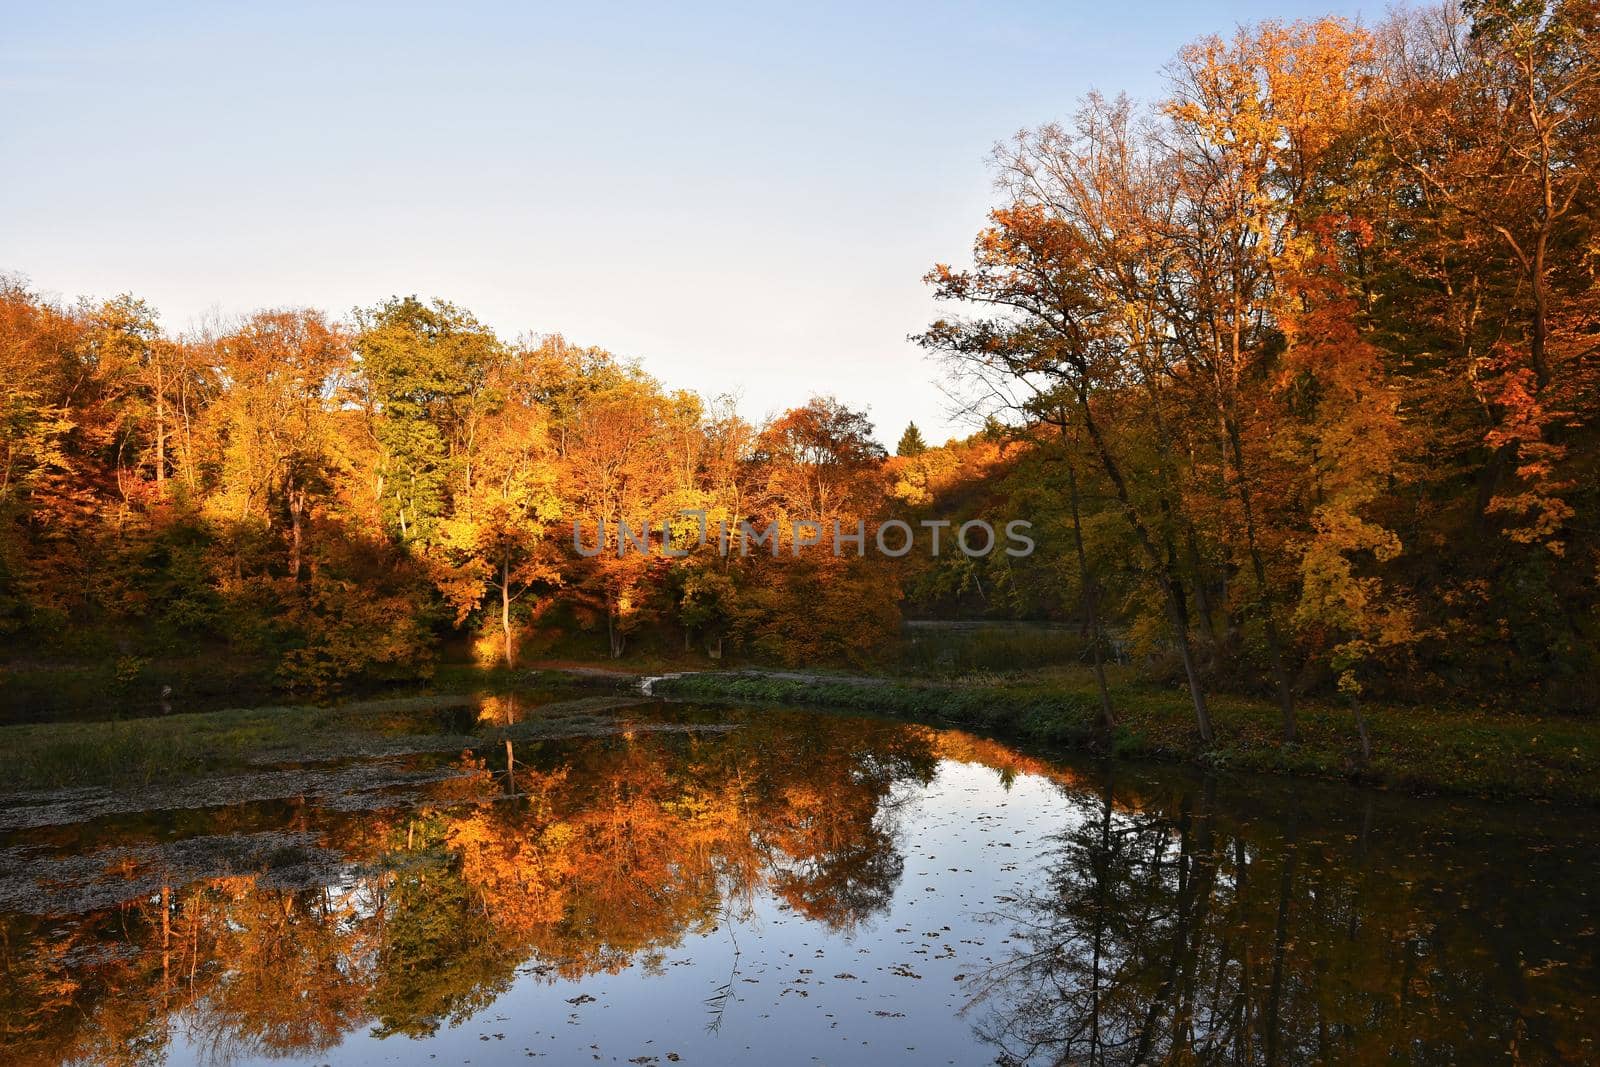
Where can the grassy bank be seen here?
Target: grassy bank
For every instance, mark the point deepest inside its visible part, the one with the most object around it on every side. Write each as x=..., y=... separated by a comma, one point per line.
x=116, y=687
x=1444, y=751
x=1418, y=749
x=100, y=688
x=142, y=751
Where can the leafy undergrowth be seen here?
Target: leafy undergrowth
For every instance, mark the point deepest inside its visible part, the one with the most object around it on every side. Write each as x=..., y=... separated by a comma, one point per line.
x=1418, y=749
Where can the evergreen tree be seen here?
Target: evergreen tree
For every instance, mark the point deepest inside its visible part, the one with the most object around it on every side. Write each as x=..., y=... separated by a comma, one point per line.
x=911, y=442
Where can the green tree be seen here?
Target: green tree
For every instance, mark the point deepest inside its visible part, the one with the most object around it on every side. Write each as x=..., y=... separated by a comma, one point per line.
x=911, y=442
x=424, y=368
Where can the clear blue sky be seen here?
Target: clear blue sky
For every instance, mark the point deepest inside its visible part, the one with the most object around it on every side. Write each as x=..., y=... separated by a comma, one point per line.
x=743, y=197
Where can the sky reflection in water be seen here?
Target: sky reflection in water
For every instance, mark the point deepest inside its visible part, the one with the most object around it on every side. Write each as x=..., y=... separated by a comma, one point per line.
x=807, y=888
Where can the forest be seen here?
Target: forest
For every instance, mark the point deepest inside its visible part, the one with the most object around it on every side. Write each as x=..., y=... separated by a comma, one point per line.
x=1294, y=371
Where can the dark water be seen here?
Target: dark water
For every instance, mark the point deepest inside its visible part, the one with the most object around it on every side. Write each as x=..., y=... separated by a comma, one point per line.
x=701, y=886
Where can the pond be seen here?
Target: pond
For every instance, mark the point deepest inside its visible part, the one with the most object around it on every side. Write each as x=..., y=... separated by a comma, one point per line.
x=680, y=884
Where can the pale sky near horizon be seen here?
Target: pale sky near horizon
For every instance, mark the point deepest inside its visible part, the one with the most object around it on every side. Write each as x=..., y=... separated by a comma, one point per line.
x=742, y=197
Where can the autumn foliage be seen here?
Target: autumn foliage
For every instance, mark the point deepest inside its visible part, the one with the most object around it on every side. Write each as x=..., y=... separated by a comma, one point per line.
x=1294, y=371
x=1318, y=335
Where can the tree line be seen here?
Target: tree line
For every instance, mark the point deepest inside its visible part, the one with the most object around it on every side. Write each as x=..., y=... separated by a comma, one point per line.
x=338, y=496
x=1293, y=370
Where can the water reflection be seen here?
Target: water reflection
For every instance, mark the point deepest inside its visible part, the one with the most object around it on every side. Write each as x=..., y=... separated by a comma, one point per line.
x=1068, y=918
x=1179, y=931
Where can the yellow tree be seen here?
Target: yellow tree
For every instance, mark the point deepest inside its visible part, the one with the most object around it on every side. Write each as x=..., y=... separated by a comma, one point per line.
x=1348, y=436
x=121, y=352
x=47, y=498
x=497, y=533
x=273, y=425
x=820, y=478
x=707, y=584
x=1252, y=121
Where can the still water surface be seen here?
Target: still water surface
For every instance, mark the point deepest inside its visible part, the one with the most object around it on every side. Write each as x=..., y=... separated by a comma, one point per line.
x=681, y=884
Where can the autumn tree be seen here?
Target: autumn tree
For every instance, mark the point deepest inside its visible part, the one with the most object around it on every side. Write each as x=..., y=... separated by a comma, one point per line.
x=617, y=474
x=48, y=505
x=1251, y=122
x=498, y=533
x=1061, y=277
x=1480, y=279
x=273, y=426
x=815, y=458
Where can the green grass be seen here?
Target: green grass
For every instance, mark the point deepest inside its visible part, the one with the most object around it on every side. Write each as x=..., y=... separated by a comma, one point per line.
x=107, y=687
x=129, y=752
x=938, y=652
x=143, y=751
x=130, y=687
x=1433, y=750
x=1418, y=749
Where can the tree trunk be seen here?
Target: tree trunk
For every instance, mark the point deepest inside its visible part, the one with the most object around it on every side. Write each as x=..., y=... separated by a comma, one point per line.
x=161, y=430
x=1541, y=311
x=1280, y=673
x=1361, y=729
x=1091, y=597
x=505, y=613
x=297, y=501
x=1171, y=587
x=1202, y=595
x=617, y=637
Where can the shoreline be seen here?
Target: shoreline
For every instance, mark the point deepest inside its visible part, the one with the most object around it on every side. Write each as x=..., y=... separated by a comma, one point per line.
x=1462, y=753
x=1416, y=750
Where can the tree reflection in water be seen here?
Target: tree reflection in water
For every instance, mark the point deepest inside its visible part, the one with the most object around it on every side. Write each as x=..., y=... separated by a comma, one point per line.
x=1163, y=923
x=1169, y=930
x=612, y=851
